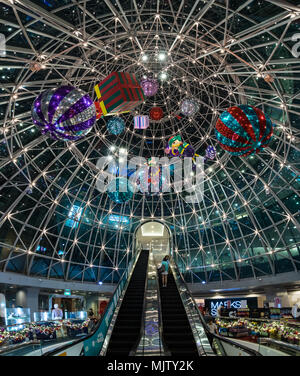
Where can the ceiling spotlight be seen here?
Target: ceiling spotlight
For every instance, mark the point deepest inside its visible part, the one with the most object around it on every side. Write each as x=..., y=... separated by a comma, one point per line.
x=144, y=57
x=161, y=56
x=163, y=76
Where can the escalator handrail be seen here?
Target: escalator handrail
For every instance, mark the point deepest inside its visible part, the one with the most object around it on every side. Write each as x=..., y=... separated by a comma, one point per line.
x=142, y=327
x=205, y=326
x=75, y=342
x=16, y=346
x=279, y=343
x=199, y=351
x=235, y=344
x=161, y=326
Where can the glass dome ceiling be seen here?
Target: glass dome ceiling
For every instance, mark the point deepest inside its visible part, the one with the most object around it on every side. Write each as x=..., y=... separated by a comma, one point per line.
x=54, y=223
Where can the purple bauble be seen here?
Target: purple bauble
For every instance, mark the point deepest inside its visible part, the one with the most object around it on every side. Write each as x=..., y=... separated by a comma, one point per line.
x=65, y=112
x=150, y=86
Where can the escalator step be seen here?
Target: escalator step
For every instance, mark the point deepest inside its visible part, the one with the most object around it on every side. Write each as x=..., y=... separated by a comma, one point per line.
x=127, y=327
x=177, y=332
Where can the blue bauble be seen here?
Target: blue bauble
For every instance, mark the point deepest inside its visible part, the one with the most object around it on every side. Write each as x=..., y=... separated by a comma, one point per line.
x=116, y=125
x=120, y=190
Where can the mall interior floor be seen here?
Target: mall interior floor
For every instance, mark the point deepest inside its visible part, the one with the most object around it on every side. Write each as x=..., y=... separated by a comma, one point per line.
x=126, y=331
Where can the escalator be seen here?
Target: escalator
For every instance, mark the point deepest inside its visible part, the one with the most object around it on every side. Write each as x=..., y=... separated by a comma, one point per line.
x=126, y=331
x=177, y=333
x=144, y=318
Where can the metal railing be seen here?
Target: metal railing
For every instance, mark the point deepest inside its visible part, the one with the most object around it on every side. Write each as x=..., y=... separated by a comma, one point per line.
x=24, y=347
x=208, y=343
x=40, y=335
x=287, y=348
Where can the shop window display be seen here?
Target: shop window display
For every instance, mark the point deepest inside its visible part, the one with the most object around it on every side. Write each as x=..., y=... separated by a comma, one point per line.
x=252, y=329
x=17, y=315
x=50, y=331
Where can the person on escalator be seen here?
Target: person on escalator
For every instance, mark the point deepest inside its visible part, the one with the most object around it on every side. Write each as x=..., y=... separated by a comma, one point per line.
x=212, y=326
x=165, y=270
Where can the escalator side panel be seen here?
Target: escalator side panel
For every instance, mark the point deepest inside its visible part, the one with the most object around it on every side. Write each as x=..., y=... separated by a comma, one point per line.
x=128, y=323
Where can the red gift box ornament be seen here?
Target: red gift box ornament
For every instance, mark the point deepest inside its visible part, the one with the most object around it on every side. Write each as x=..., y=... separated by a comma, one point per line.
x=156, y=113
x=119, y=92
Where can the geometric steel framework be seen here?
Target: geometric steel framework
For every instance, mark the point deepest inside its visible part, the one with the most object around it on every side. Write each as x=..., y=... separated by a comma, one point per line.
x=54, y=223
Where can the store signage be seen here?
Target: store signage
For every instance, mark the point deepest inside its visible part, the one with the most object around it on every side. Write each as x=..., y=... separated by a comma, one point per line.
x=226, y=304
x=67, y=292
x=232, y=303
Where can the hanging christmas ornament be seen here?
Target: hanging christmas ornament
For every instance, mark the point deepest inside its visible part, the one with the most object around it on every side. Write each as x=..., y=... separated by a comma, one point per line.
x=154, y=175
x=167, y=149
x=66, y=113
x=243, y=130
x=268, y=78
x=210, y=152
x=149, y=178
x=35, y=66
x=141, y=121
x=156, y=113
x=189, y=106
x=119, y=92
x=176, y=147
x=120, y=190
x=116, y=125
x=150, y=86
